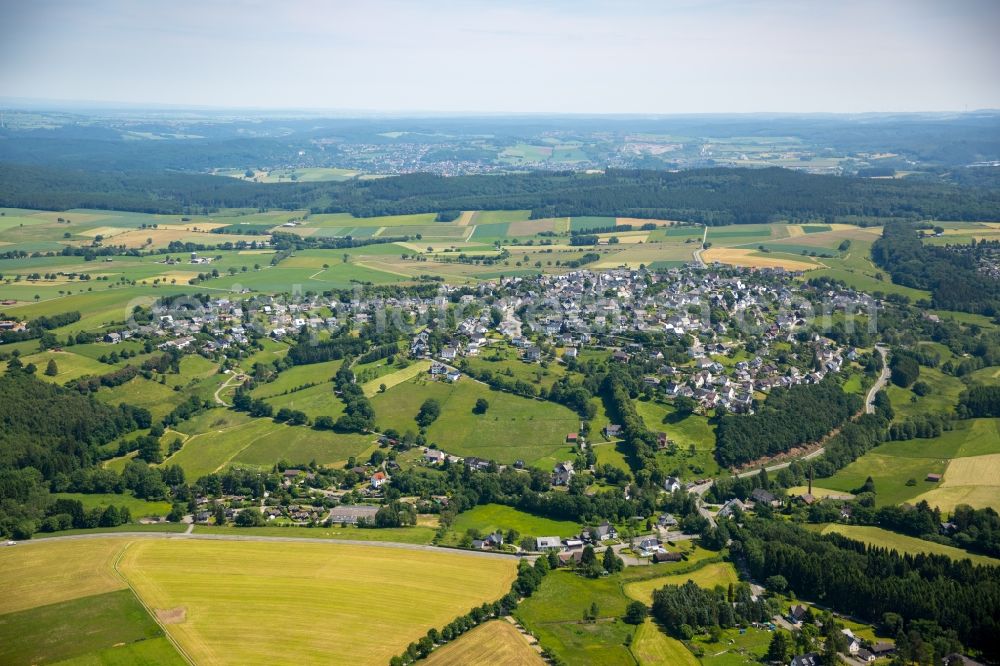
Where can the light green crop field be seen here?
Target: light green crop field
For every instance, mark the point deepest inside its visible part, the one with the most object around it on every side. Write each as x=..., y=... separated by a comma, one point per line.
x=501, y=359
x=943, y=395
x=315, y=401
x=966, y=456
x=652, y=647
x=498, y=216
x=397, y=377
x=492, y=517
x=708, y=575
x=78, y=627
x=554, y=614
x=876, y=536
x=513, y=427
x=158, y=398
x=890, y=474
x=138, y=508
x=260, y=443
x=220, y=595
x=70, y=366
x=150, y=651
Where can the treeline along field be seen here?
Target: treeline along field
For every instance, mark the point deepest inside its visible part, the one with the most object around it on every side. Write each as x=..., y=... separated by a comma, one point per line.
x=705, y=196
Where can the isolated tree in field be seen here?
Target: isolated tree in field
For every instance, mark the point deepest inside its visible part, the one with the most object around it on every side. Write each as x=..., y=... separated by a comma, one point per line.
x=429, y=411
x=482, y=404
x=52, y=369
x=635, y=613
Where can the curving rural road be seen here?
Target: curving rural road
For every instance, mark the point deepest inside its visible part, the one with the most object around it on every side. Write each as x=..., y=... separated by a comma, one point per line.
x=276, y=539
x=879, y=384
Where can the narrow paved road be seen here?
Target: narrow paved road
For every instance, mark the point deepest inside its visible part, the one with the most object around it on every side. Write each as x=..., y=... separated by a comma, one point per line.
x=701, y=248
x=276, y=539
x=879, y=384
x=238, y=376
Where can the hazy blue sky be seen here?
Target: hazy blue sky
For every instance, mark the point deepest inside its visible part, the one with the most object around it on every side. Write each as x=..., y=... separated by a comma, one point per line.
x=569, y=56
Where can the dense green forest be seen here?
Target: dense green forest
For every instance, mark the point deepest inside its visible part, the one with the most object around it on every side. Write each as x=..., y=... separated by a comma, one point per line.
x=708, y=196
x=950, y=275
x=935, y=598
x=789, y=417
x=50, y=435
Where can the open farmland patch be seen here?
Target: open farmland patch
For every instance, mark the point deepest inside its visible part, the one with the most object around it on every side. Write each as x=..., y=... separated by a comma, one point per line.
x=492, y=517
x=512, y=428
x=497, y=216
x=75, y=628
x=708, y=576
x=754, y=259
x=301, y=445
x=651, y=646
x=398, y=377
x=232, y=590
x=901, y=543
x=496, y=642
x=37, y=574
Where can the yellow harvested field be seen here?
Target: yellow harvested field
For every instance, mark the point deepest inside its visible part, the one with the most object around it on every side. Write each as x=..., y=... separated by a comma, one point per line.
x=948, y=498
x=639, y=221
x=398, y=377
x=106, y=232
x=464, y=219
x=973, y=471
x=794, y=491
x=752, y=259
x=710, y=575
x=973, y=480
x=529, y=227
x=38, y=573
x=182, y=277
x=496, y=642
x=627, y=236
x=795, y=230
x=255, y=252
x=259, y=602
x=193, y=226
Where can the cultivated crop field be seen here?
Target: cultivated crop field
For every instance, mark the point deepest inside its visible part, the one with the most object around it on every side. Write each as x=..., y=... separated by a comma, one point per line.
x=652, y=646
x=488, y=518
x=708, y=575
x=966, y=456
x=496, y=642
x=220, y=598
x=260, y=443
x=63, y=600
x=905, y=544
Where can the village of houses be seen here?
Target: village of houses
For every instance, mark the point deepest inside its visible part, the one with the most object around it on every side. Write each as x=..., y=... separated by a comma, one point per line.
x=549, y=318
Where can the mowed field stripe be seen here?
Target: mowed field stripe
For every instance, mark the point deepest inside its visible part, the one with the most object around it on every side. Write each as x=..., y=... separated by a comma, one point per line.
x=257, y=602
